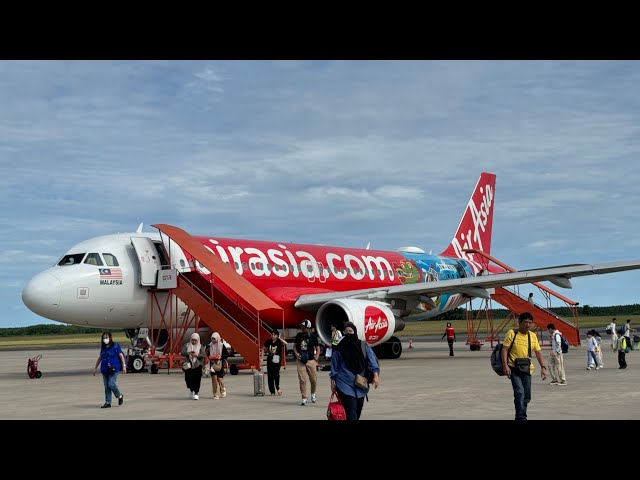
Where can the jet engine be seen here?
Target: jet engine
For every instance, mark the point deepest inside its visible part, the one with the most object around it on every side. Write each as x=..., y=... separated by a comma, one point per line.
x=374, y=321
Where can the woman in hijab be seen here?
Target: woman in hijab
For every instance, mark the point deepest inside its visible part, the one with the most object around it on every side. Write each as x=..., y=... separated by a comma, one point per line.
x=348, y=360
x=192, y=366
x=217, y=353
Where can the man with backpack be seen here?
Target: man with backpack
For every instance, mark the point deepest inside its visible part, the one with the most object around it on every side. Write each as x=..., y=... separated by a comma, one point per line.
x=556, y=358
x=517, y=364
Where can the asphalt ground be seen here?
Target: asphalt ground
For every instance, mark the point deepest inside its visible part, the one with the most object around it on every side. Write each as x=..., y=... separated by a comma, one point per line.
x=425, y=383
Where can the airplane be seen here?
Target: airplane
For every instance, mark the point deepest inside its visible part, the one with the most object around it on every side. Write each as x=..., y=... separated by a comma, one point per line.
x=105, y=281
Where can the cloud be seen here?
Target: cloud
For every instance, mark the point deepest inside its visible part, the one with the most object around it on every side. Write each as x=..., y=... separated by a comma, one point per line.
x=332, y=152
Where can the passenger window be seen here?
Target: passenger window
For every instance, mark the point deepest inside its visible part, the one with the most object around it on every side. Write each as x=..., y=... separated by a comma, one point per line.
x=110, y=260
x=93, y=259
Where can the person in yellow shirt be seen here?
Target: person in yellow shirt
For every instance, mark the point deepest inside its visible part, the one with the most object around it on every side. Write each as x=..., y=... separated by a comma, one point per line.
x=518, y=366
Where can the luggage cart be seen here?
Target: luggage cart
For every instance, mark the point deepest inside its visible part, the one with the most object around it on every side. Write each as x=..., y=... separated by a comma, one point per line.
x=32, y=367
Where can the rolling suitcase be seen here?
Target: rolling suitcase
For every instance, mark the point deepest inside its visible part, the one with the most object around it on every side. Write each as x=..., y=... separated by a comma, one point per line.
x=258, y=383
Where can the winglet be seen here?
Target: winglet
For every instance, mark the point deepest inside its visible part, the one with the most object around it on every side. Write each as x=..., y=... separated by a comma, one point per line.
x=474, y=230
x=139, y=230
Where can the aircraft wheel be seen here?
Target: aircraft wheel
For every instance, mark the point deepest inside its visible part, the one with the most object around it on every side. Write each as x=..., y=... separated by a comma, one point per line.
x=394, y=347
x=233, y=369
x=472, y=347
x=136, y=364
x=38, y=374
x=154, y=368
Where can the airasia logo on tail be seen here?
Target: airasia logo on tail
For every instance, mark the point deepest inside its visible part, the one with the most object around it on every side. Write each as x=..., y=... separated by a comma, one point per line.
x=376, y=324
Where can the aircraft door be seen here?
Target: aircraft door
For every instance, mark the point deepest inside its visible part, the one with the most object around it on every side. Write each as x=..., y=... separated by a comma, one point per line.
x=148, y=259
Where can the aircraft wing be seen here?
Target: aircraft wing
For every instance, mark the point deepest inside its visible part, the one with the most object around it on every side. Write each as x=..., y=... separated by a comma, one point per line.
x=473, y=286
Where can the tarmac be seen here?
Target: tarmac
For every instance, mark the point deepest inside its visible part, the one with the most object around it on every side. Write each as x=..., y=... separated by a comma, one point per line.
x=425, y=383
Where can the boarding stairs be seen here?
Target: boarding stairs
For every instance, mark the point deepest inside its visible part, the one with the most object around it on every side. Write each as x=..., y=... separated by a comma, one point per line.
x=223, y=300
x=516, y=304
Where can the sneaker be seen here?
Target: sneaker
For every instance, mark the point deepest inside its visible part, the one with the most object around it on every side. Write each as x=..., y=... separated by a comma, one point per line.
x=224, y=392
x=216, y=397
x=121, y=399
x=313, y=397
x=106, y=405
x=562, y=383
x=588, y=368
x=279, y=392
x=553, y=383
x=196, y=397
x=303, y=402
x=599, y=367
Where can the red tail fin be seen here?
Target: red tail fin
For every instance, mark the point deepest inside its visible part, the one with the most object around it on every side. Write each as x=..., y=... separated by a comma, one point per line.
x=474, y=230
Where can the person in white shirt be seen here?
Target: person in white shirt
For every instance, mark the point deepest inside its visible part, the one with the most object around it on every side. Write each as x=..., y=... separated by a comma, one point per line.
x=627, y=334
x=556, y=358
x=591, y=351
x=611, y=330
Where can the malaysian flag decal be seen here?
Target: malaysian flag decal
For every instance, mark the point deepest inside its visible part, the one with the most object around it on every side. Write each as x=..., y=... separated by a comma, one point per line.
x=110, y=274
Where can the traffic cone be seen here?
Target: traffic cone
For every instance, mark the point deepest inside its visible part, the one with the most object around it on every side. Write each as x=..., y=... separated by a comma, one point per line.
x=410, y=343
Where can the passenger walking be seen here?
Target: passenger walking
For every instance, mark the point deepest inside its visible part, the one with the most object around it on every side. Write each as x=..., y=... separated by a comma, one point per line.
x=111, y=361
x=611, y=330
x=192, y=366
x=451, y=337
x=592, y=359
x=599, y=356
x=556, y=357
x=347, y=361
x=518, y=366
x=274, y=348
x=306, y=350
x=621, y=346
x=627, y=334
x=217, y=355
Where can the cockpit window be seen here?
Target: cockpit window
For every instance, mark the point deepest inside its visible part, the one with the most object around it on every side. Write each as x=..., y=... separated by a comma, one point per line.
x=93, y=259
x=110, y=259
x=71, y=259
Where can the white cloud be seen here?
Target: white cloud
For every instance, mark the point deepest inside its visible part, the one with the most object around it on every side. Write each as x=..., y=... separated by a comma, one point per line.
x=339, y=153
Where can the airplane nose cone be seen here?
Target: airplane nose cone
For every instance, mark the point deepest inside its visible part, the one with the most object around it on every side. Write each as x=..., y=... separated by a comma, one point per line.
x=41, y=295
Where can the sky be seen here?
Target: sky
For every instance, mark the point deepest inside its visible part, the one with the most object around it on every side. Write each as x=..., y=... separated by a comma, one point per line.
x=341, y=153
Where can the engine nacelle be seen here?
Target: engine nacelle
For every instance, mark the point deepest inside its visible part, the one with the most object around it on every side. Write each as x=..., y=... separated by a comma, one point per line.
x=374, y=320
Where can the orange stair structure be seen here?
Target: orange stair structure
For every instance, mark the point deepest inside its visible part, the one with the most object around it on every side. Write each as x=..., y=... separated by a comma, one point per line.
x=516, y=304
x=223, y=300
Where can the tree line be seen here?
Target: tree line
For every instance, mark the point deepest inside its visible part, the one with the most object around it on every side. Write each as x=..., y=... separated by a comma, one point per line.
x=456, y=314
x=51, y=329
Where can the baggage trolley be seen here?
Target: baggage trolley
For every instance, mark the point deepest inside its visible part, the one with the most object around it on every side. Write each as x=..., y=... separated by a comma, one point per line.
x=258, y=383
x=32, y=367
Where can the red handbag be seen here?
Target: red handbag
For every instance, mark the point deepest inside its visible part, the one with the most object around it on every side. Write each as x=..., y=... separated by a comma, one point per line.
x=335, y=410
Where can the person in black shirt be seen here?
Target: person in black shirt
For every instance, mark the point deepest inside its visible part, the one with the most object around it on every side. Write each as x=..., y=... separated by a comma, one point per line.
x=306, y=350
x=274, y=348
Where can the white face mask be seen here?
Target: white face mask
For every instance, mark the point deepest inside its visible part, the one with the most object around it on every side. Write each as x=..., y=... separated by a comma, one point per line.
x=105, y=341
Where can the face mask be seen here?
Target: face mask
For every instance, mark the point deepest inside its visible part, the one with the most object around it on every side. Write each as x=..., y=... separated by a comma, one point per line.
x=350, y=334
x=105, y=341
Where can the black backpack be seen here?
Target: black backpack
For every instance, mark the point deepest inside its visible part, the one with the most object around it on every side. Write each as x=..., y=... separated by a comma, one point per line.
x=496, y=357
x=564, y=345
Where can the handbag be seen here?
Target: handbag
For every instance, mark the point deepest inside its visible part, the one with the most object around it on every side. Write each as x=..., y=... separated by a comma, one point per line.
x=361, y=382
x=275, y=359
x=216, y=365
x=186, y=365
x=206, y=371
x=335, y=409
x=523, y=364
x=110, y=369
